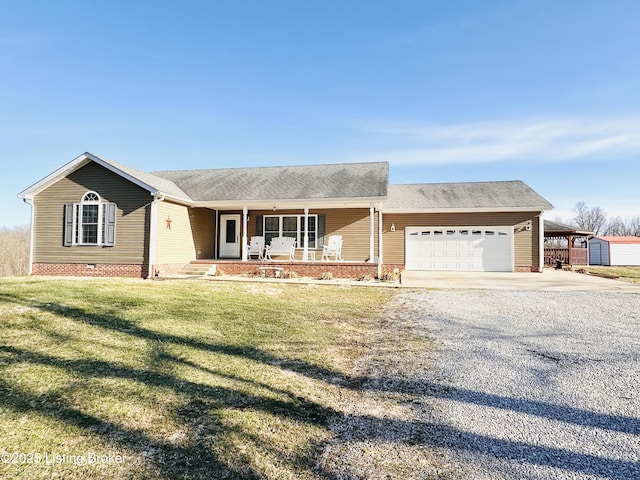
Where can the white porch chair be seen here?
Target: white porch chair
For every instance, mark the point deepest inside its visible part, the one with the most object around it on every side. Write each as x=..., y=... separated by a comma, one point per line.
x=333, y=248
x=281, y=246
x=256, y=247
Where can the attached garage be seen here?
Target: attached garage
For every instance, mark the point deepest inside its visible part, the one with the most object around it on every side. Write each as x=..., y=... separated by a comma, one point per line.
x=484, y=249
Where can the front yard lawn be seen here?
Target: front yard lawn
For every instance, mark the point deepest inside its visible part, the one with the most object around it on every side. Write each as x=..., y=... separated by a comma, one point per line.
x=193, y=379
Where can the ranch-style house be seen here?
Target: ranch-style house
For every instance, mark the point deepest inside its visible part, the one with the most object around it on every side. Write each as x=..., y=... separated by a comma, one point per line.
x=96, y=217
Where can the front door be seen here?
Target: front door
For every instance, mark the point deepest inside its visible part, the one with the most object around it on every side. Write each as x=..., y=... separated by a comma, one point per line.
x=230, y=236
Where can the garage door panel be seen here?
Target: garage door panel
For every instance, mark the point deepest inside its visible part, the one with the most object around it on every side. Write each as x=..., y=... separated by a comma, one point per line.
x=459, y=248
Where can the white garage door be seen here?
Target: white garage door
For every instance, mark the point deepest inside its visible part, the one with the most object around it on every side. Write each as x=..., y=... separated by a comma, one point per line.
x=485, y=249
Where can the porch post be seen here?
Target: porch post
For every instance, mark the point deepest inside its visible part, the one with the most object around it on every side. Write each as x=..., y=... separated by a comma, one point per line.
x=380, y=241
x=586, y=239
x=216, y=235
x=570, y=240
x=540, y=243
x=372, y=219
x=245, y=211
x=305, y=251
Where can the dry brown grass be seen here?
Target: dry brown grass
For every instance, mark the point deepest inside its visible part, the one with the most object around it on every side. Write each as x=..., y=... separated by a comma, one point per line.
x=627, y=274
x=14, y=251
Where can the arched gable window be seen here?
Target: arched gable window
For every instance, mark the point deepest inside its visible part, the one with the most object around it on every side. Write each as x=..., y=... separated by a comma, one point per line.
x=91, y=221
x=89, y=213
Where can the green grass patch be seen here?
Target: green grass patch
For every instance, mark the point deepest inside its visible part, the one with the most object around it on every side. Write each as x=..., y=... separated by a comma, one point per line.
x=137, y=379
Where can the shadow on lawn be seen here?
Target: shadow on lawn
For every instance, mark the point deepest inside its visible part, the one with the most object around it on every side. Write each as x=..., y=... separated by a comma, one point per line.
x=198, y=461
x=169, y=461
x=194, y=461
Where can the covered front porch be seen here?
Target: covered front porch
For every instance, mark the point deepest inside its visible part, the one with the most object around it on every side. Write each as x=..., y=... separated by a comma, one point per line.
x=309, y=227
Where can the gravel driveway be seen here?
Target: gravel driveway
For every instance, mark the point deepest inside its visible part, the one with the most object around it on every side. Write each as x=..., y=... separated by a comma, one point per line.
x=518, y=385
x=538, y=384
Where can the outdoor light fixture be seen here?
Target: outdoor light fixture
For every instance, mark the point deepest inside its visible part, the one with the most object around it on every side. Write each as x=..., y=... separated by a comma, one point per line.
x=393, y=227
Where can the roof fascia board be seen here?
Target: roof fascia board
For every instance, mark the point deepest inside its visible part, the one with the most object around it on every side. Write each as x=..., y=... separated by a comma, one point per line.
x=537, y=209
x=50, y=179
x=80, y=162
x=174, y=199
x=74, y=165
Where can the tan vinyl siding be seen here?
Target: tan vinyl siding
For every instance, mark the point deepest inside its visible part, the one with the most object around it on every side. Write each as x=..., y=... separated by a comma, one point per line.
x=352, y=223
x=131, y=236
x=203, y=227
x=526, y=242
x=174, y=240
x=190, y=237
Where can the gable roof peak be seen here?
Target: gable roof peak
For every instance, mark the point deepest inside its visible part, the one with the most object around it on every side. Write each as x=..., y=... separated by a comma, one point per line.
x=153, y=184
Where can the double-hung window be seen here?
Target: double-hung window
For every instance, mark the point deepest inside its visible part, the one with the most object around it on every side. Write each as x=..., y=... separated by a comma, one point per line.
x=291, y=226
x=91, y=221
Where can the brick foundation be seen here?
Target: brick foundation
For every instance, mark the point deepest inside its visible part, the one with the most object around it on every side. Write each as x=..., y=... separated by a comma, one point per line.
x=90, y=270
x=526, y=268
x=314, y=270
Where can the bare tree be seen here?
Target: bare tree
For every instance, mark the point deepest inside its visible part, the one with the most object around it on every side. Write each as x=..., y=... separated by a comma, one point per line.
x=14, y=251
x=592, y=219
x=619, y=226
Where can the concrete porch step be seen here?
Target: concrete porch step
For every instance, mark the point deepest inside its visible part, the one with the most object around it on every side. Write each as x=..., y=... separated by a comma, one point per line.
x=199, y=269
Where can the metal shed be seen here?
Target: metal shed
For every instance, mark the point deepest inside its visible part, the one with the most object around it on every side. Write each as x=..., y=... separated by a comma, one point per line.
x=614, y=251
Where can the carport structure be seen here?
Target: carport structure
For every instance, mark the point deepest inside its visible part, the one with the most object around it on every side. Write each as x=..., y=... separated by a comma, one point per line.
x=565, y=243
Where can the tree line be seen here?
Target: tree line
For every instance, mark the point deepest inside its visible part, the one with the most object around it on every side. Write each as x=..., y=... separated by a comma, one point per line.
x=595, y=219
x=14, y=251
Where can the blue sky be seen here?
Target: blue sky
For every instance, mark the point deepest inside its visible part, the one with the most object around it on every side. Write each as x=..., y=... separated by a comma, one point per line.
x=543, y=91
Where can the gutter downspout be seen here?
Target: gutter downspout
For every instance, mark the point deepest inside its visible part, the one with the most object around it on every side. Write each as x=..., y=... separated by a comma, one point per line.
x=153, y=232
x=29, y=201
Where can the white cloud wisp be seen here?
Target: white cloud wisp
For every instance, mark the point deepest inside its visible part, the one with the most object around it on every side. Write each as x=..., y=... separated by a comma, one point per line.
x=532, y=141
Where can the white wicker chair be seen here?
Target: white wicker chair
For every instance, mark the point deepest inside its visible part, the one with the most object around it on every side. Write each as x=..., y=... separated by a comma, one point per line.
x=333, y=248
x=256, y=247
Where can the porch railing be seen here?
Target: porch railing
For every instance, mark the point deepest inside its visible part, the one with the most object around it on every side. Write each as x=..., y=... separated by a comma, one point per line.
x=578, y=256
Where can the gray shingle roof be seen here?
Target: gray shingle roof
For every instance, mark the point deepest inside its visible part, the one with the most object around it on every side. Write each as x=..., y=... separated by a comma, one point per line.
x=346, y=181
x=161, y=184
x=550, y=226
x=334, y=181
x=474, y=195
